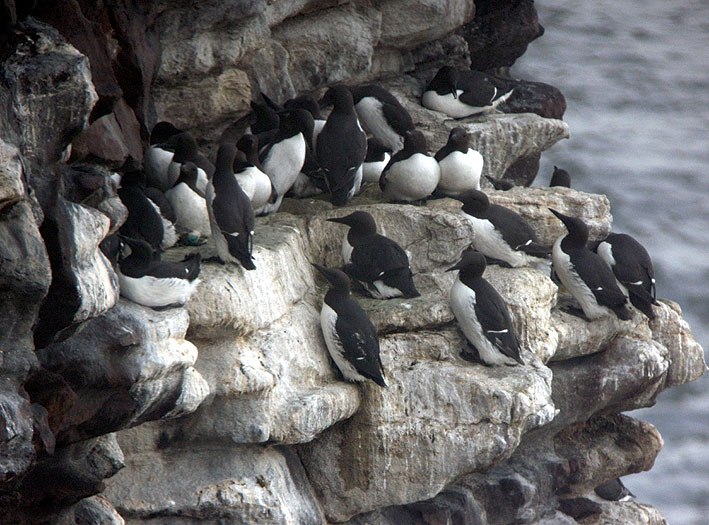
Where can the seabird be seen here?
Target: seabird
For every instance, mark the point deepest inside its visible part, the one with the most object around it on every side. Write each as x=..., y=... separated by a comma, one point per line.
x=186, y=151
x=341, y=147
x=378, y=156
x=377, y=262
x=349, y=335
x=500, y=233
x=461, y=93
x=159, y=155
x=560, y=177
x=482, y=314
x=382, y=115
x=308, y=103
x=230, y=214
x=167, y=214
x=613, y=490
x=460, y=165
x=584, y=274
x=252, y=179
x=412, y=174
x=144, y=221
x=146, y=280
x=632, y=267
x=283, y=158
x=191, y=217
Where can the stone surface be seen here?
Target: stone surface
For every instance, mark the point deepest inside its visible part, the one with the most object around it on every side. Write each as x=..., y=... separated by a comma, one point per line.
x=12, y=186
x=89, y=511
x=129, y=365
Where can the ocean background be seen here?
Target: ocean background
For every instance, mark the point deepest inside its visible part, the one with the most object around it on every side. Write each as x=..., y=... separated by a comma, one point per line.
x=636, y=80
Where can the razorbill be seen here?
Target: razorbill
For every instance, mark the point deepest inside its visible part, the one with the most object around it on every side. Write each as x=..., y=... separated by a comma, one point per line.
x=167, y=214
x=482, y=314
x=560, y=177
x=461, y=165
x=252, y=179
x=378, y=156
x=412, y=173
x=377, y=262
x=189, y=205
x=613, y=490
x=159, y=155
x=584, y=274
x=308, y=103
x=283, y=158
x=145, y=279
x=632, y=267
x=264, y=117
x=341, y=147
x=382, y=115
x=349, y=335
x=461, y=93
x=230, y=214
x=501, y=234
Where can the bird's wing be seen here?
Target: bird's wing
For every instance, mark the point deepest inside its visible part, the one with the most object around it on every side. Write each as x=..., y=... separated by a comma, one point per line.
x=494, y=318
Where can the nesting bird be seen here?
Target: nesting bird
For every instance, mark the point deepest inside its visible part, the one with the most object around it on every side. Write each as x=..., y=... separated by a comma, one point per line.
x=186, y=150
x=187, y=200
x=252, y=179
x=560, y=177
x=461, y=93
x=350, y=337
x=500, y=233
x=159, y=155
x=378, y=156
x=632, y=267
x=230, y=214
x=460, y=165
x=144, y=220
x=584, y=274
x=482, y=314
x=341, y=147
x=412, y=174
x=377, y=262
x=146, y=280
x=382, y=115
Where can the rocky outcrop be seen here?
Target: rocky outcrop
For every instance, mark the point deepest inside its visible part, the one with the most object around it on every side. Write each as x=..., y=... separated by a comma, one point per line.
x=229, y=409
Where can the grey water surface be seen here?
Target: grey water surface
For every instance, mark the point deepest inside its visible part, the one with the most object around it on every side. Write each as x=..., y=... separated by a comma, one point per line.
x=636, y=80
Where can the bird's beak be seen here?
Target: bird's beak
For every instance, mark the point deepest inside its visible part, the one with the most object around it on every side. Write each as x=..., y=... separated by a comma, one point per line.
x=341, y=220
x=454, y=92
x=456, y=267
x=563, y=218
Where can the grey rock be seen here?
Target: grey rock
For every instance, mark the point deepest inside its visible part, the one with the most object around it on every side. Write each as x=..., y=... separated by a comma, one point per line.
x=12, y=187
x=127, y=366
x=96, y=510
x=239, y=484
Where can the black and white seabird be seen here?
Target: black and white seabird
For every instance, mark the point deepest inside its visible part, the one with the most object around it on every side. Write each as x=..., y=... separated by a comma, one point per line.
x=378, y=156
x=632, y=267
x=502, y=234
x=560, y=177
x=377, y=262
x=308, y=103
x=482, y=314
x=349, y=335
x=146, y=280
x=252, y=179
x=144, y=221
x=613, y=490
x=412, y=174
x=461, y=93
x=264, y=117
x=382, y=115
x=584, y=274
x=283, y=158
x=341, y=147
x=167, y=214
x=159, y=155
x=189, y=205
x=461, y=165
x=230, y=214
x=186, y=150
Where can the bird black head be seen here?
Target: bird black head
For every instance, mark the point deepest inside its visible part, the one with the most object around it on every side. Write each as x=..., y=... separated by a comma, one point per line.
x=472, y=263
x=249, y=145
x=459, y=139
x=376, y=150
x=475, y=203
x=185, y=146
x=338, y=280
x=306, y=102
x=265, y=116
x=225, y=158
x=294, y=121
x=360, y=221
x=414, y=141
x=133, y=178
x=446, y=81
x=578, y=231
x=339, y=97
x=560, y=177
x=139, y=249
x=162, y=131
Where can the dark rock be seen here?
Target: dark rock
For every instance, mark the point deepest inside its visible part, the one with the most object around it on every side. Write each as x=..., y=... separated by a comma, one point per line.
x=500, y=32
x=579, y=508
x=530, y=97
x=90, y=511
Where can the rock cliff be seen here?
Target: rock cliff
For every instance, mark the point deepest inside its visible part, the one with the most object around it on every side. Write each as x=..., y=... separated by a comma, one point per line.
x=229, y=410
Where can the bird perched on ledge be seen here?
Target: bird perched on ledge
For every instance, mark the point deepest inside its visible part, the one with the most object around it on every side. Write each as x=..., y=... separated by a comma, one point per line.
x=378, y=263
x=584, y=274
x=349, y=335
x=482, y=314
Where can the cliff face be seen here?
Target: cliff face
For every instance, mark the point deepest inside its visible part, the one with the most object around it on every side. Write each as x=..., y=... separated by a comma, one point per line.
x=229, y=410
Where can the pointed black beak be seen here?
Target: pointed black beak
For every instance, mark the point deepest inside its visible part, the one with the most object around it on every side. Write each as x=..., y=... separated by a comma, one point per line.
x=456, y=267
x=454, y=92
x=340, y=220
x=563, y=218
x=325, y=271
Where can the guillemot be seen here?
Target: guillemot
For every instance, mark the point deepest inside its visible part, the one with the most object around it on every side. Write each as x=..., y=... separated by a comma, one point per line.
x=412, y=174
x=460, y=165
